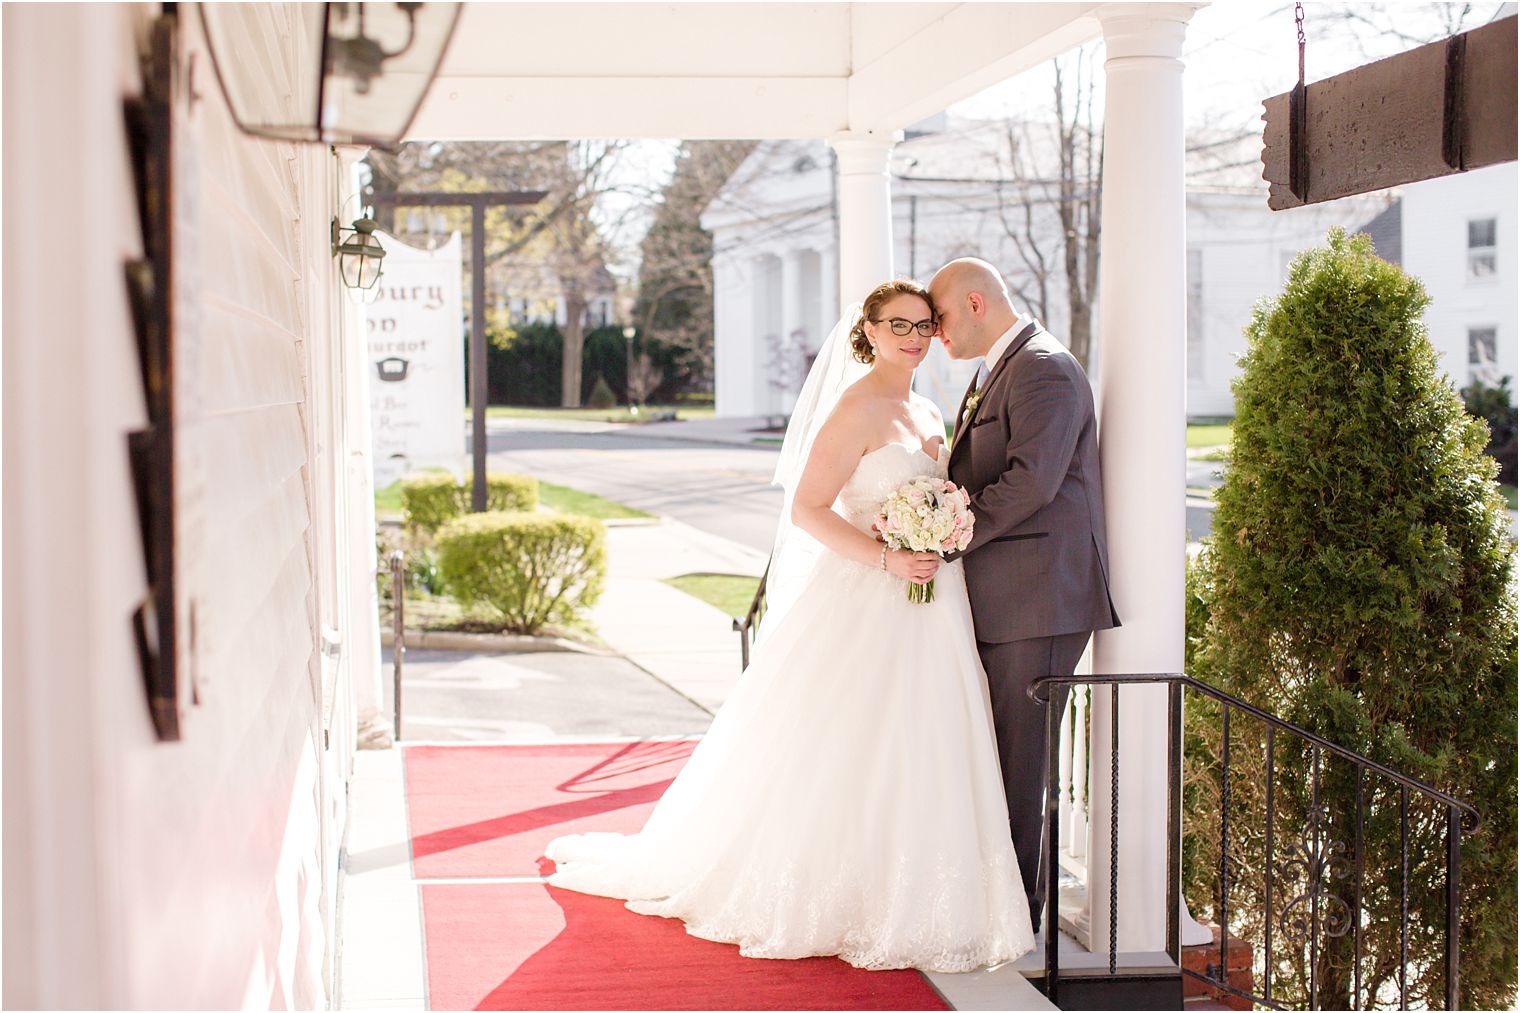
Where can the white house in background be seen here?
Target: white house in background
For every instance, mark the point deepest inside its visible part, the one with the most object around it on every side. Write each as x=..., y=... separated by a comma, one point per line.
x=775, y=256
x=1457, y=235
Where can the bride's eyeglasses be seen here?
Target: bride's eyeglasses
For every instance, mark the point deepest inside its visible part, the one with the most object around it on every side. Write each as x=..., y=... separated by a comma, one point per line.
x=902, y=328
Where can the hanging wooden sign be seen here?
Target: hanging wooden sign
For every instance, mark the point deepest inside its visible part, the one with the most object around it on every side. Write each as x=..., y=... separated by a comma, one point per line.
x=166, y=454
x=1442, y=108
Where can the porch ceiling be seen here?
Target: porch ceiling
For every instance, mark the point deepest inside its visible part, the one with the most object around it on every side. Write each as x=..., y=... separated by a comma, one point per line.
x=756, y=70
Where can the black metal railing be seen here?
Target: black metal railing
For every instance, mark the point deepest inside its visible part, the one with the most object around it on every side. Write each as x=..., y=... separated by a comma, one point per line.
x=1318, y=859
x=750, y=624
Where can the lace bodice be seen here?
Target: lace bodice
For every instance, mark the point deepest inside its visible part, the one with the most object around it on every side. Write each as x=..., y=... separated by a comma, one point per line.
x=881, y=471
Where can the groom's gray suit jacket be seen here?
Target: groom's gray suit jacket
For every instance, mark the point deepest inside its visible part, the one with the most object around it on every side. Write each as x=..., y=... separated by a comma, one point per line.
x=1037, y=565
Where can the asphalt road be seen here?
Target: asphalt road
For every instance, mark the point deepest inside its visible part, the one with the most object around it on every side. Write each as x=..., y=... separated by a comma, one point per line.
x=720, y=488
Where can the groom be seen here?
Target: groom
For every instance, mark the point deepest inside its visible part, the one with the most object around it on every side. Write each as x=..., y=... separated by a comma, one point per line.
x=1026, y=448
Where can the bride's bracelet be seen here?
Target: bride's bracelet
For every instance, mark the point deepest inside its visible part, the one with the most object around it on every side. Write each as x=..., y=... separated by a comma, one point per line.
x=883, y=555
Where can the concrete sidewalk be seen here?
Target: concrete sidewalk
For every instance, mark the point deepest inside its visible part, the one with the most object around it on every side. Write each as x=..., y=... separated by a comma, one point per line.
x=680, y=640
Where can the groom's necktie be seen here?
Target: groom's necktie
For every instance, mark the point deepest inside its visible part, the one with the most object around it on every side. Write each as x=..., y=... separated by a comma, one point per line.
x=982, y=372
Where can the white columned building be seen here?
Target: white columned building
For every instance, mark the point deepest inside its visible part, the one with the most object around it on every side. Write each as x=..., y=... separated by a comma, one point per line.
x=1143, y=439
x=792, y=340
x=829, y=305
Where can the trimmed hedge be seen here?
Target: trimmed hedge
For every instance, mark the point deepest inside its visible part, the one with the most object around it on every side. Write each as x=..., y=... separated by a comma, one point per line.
x=431, y=501
x=535, y=569
x=523, y=365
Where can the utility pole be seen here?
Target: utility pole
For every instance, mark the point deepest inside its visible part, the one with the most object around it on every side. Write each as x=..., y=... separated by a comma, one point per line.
x=477, y=203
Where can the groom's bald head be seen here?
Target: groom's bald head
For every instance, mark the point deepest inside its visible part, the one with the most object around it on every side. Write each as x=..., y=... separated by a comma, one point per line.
x=968, y=274
x=972, y=304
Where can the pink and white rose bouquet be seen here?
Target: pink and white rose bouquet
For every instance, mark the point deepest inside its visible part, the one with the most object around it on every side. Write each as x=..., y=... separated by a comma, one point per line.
x=926, y=514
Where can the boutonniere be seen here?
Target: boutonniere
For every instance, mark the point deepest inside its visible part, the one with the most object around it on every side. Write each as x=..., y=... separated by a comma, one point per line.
x=973, y=400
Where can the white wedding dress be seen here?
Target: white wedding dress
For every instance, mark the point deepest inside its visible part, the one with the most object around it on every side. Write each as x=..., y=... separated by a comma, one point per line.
x=847, y=798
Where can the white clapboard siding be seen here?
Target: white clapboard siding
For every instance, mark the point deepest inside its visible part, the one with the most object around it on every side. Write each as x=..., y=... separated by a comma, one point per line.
x=238, y=845
x=199, y=873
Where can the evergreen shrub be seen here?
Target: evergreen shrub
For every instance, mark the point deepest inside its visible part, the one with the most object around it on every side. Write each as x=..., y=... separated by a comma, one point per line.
x=523, y=365
x=534, y=569
x=1359, y=583
x=504, y=491
x=601, y=396
x=432, y=500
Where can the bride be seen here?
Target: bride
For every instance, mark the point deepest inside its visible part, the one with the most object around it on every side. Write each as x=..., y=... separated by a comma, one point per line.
x=847, y=799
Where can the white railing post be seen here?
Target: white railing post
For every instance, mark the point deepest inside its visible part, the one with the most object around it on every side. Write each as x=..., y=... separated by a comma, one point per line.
x=1065, y=778
x=1078, y=843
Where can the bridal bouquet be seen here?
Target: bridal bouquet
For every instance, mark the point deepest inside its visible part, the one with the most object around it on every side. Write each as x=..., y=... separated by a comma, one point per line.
x=926, y=514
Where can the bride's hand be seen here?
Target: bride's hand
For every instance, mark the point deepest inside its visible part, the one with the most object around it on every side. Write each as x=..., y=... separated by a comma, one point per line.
x=919, y=567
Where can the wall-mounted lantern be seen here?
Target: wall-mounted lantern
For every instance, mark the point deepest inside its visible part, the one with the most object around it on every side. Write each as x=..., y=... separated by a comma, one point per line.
x=359, y=253
x=374, y=65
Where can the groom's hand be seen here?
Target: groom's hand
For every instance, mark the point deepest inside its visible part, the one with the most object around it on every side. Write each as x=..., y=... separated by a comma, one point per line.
x=919, y=567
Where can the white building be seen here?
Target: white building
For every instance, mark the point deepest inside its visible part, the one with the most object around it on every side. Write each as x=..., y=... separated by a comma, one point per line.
x=775, y=242
x=1457, y=235
x=199, y=872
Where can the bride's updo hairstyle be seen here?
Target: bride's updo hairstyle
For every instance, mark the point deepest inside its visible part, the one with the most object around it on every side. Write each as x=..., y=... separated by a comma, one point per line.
x=860, y=343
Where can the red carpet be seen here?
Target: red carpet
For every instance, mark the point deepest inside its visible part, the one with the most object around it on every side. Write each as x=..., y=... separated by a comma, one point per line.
x=488, y=811
x=528, y=946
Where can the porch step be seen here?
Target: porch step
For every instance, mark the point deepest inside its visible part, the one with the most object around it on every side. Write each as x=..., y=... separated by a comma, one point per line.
x=1141, y=981
x=1003, y=987
x=995, y=988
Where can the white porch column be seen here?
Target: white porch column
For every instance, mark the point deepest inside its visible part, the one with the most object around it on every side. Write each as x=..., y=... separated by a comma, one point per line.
x=1141, y=406
x=374, y=702
x=865, y=212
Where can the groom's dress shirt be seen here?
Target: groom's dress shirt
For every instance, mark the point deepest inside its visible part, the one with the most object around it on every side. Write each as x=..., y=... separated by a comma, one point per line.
x=990, y=360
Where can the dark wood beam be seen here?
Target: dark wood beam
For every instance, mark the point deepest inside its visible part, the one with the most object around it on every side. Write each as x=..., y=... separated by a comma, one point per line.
x=1440, y=109
x=477, y=203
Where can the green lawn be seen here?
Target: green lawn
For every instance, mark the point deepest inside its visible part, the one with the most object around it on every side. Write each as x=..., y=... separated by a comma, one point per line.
x=555, y=497
x=1208, y=435
x=1509, y=496
x=388, y=500
x=728, y=592
x=573, y=501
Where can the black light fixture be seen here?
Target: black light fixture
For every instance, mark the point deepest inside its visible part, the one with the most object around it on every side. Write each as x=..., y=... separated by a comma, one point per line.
x=375, y=63
x=359, y=253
